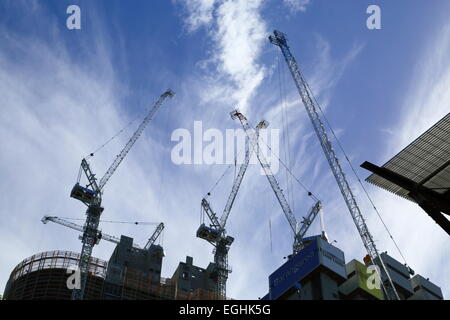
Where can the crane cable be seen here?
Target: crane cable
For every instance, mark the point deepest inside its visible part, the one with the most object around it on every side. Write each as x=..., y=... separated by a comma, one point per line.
x=310, y=193
x=218, y=181
x=202, y=215
x=112, y=138
x=357, y=176
x=161, y=239
x=286, y=134
x=223, y=175
x=283, y=121
x=270, y=235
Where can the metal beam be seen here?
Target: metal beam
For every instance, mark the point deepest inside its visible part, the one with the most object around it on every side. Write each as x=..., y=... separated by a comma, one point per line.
x=432, y=202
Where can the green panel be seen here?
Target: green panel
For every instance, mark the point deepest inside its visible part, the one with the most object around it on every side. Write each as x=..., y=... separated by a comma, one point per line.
x=363, y=277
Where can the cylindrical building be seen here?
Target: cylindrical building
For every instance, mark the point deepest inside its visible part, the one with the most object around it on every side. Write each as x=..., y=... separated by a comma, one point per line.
x=44, y=276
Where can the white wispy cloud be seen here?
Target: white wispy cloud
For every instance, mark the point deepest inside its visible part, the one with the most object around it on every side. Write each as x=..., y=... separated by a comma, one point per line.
x=199, y=13
x=237, y=32
x=47, y=123
x=240, y=35
x=327, y=71
x=297, y=5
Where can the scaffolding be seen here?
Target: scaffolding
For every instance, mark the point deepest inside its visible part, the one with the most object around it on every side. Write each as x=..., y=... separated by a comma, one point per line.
x=43, y=276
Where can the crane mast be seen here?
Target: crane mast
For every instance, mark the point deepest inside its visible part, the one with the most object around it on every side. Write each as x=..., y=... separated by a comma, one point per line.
x=216, y=233
x=91, y=196
x=88, y=240
x=279, y=39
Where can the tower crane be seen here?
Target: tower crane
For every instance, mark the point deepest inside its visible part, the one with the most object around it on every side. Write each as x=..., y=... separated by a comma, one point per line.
x=91, y=197
x=216, y=232
x=298, y=229
x=307, y=97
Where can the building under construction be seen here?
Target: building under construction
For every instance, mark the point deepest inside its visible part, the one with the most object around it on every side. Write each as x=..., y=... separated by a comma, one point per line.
x=44, y=276
x=130, y=274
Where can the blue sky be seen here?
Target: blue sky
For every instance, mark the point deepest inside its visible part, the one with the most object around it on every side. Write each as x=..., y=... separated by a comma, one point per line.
x=64, y=92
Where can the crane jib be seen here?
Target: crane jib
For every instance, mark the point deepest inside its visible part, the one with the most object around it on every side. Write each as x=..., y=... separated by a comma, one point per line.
x=134, y=138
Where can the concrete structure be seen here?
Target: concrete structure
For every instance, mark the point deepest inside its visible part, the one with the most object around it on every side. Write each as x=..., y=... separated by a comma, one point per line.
x=400, y=275
x=319, y=272
x=357, y=287
x=136, y=274
x=133, y=273
x=190, y=281
x=424, y=289
x=44, y=276
x=314, y=273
